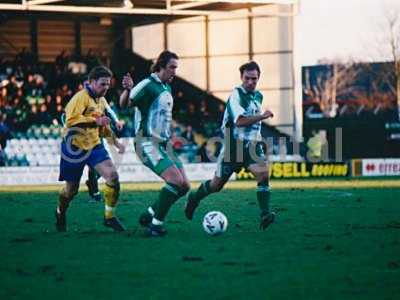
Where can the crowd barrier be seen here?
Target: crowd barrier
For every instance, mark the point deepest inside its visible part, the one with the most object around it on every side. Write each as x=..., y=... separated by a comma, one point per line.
x=202, y=171
x=127, y=173
x=376, y=167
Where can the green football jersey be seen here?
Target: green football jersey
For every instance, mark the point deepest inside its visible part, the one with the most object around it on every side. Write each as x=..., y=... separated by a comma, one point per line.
x=243, y=103
x=154, y=103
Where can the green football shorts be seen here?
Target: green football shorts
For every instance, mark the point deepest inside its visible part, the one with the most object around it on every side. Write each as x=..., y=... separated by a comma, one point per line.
x=157, y=156
x=238, y=154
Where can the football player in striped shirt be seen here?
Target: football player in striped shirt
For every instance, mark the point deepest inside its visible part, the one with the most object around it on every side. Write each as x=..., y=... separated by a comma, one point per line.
x=153, y=101
x=242, y=148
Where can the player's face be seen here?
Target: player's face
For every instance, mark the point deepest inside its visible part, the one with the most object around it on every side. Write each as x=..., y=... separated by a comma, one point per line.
x=250, y=79
x=169, y=72
x=101, y=86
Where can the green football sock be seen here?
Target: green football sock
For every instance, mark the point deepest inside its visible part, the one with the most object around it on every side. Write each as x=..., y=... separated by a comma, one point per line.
x=202, y=192
x=168, y=195
x=263, y=197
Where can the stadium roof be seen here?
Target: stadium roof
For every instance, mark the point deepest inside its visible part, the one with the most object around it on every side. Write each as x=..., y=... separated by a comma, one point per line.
x=138, y=7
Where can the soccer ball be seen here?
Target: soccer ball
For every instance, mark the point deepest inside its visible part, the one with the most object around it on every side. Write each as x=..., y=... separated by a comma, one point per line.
x=215, y=223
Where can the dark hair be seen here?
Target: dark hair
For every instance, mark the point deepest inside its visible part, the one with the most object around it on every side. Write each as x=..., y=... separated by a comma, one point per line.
x=250, y=66
x=98, y=72
x=163, y=60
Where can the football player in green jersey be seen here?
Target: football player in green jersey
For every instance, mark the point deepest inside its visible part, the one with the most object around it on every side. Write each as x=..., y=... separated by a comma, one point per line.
x=153, y=102
x=241, y=147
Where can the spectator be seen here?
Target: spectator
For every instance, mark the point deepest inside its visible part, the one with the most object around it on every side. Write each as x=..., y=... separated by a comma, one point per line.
x=5, y=132
x=2, y=157
x=3, y=97
x=62, y=60
x=177, y=142
x=91, y=60
x=18, y=114
x=220, y=112
x=51, y=105
x=44, y=115
x=315, y=144
x=188, y=135
x=192, y=116
x=33, y=117
x=104, y=59
x=65, y=93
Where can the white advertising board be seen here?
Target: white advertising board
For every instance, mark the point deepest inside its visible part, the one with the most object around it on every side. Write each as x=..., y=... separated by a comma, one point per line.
x=381, y=167
x=127, y=173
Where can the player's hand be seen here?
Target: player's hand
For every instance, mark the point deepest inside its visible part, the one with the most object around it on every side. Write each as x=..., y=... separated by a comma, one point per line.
x=103, y=121
x=120, y=147
x=119, y=125
x=127, y=82
x=267, y=114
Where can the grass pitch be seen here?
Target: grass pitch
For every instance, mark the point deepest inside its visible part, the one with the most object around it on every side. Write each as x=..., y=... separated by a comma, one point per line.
x=332, y=240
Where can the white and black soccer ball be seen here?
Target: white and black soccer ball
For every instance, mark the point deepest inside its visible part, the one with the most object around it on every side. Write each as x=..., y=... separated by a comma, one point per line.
x=215, y=222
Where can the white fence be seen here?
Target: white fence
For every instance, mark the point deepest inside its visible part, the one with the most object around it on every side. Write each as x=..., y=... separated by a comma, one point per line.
x=381, y=167
x=127, y=173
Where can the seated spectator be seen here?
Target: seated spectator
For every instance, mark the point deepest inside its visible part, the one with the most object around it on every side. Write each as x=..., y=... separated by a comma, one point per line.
x=59, y=112
x=3, y=96
x=192, y=116
x=188, y=135
x=5, y=132
x=65, y=93
x=44, y=115
x=219, y=115
x=51, y=105
x=177, y=142
x=104, y=59
x=33, y=117
x=2, y=157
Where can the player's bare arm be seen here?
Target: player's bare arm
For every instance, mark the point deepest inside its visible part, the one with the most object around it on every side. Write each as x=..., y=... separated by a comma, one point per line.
x=243, y=121
x=113, y=141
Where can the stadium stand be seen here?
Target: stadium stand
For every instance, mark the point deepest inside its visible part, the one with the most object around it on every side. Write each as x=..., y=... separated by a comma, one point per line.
x=33, y=96
x=32, y=99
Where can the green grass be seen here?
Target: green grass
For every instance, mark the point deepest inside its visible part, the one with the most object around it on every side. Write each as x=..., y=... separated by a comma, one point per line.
x=332, y=243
